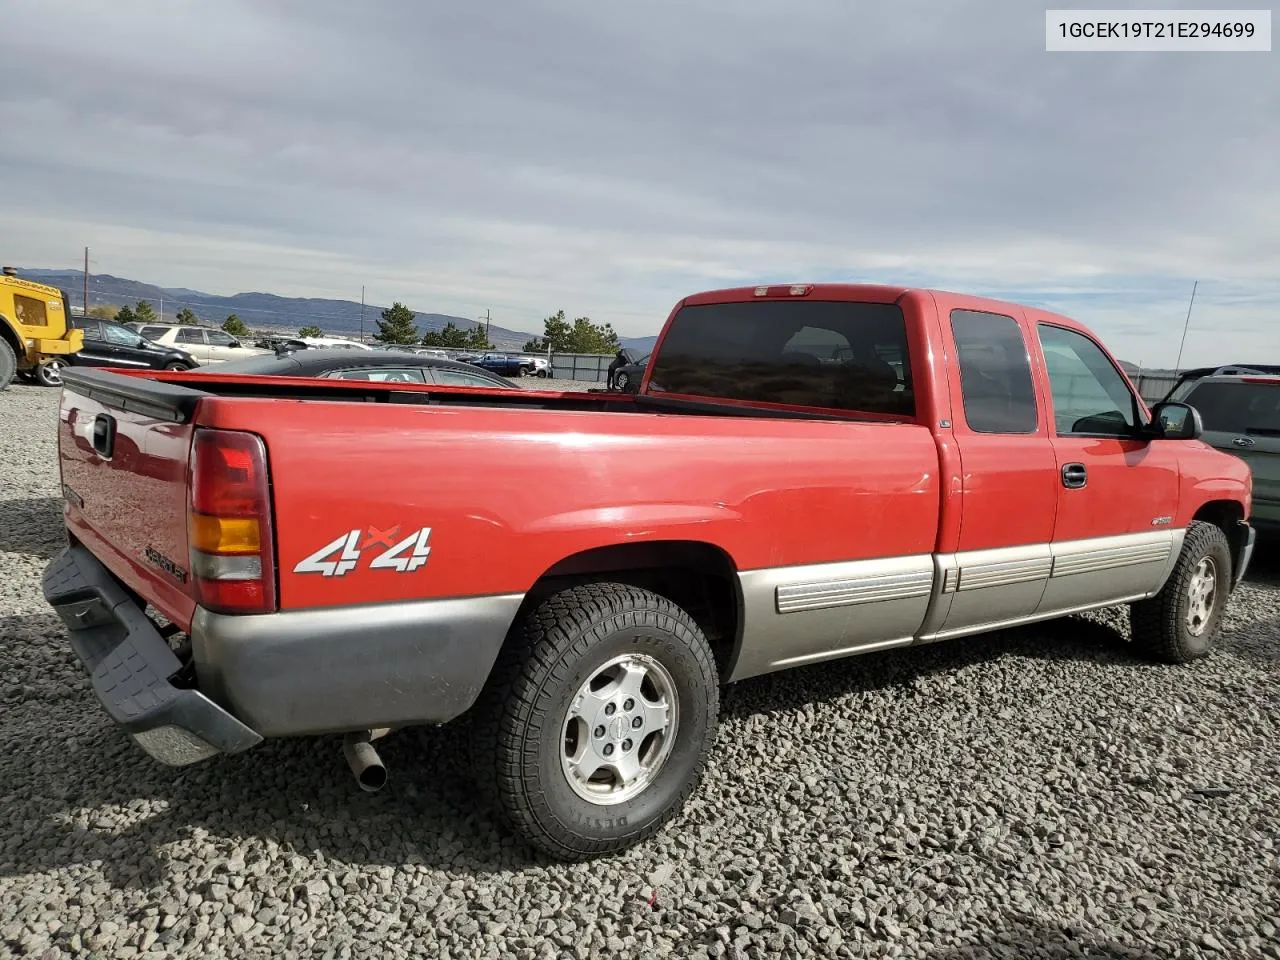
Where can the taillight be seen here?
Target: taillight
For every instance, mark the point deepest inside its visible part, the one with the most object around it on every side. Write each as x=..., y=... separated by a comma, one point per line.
x=229, y=523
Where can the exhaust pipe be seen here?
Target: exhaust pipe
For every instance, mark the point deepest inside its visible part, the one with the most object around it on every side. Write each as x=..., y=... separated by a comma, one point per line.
x=364, y=761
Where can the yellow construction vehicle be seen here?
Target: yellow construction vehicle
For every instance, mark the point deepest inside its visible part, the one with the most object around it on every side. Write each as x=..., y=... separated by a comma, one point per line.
x=36, y=335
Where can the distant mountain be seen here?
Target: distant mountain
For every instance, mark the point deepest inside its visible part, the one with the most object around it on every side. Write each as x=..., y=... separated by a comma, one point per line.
x=261, y=311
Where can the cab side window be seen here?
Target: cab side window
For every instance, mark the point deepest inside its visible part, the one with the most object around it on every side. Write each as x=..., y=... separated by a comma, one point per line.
x=995, y=373
x=191, y=336
x=219, y=339
x=1090, y=397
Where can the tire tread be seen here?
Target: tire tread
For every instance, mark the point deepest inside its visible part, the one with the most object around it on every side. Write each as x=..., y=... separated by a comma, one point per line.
x=1156, y=624
x=536, y=659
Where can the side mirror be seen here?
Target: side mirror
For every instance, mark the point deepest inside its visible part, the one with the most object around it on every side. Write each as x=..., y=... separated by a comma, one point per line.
x=235, y=343
x=1171, y=420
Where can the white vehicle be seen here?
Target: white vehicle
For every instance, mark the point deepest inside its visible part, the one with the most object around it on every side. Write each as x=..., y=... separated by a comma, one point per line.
x=538, y=366
x=334, y=342
x=206, y=344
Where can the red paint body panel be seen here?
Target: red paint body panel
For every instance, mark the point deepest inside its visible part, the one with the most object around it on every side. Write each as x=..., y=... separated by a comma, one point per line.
x=510, y=490
x=508, y=493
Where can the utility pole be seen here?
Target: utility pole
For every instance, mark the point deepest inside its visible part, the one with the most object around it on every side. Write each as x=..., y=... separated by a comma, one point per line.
x=86, y=281
x=1177, y=367
x=162, y=309
x=486, y=326
x=362, y=313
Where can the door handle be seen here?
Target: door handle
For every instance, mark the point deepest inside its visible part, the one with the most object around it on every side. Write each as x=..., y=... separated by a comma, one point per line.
x=1074, y=475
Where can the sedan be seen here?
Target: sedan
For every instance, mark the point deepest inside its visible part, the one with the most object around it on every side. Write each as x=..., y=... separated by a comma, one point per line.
x=341, y=363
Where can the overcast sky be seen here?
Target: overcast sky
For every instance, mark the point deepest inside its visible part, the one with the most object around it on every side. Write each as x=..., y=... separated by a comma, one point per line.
x=609, y=158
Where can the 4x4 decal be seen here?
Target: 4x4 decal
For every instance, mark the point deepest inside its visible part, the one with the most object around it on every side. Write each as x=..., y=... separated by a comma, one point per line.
x=341, y=556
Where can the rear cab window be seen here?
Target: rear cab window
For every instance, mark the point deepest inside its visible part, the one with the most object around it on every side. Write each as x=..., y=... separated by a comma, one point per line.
x=824, y=354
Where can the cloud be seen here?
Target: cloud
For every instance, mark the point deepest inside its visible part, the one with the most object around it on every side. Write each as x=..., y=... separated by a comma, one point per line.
x=610, y=158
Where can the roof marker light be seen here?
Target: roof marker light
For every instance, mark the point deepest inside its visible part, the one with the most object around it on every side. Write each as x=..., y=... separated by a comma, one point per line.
x=762, y=291
x=800, y=289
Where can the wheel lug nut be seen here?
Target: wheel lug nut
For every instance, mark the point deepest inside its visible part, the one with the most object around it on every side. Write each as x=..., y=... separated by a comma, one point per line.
x=626, y=744
x=608, y=749
x=637, y=722
x=598, y=731
x=629, y=705
x=610, y=709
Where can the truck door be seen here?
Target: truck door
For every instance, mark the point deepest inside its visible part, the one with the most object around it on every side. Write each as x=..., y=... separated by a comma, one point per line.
x=1002, y=561
x=1117, y=493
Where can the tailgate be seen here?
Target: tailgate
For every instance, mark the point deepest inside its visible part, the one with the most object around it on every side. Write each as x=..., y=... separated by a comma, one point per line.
x=123, y=448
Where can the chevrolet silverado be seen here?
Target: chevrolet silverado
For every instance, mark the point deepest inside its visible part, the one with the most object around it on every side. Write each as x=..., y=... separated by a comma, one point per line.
x=806, y=472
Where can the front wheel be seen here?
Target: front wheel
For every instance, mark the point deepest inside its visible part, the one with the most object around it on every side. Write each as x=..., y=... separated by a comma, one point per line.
x=49, y=373
x=621, y=382
x=175, y=366
x=597, y=721
x=1181, y=622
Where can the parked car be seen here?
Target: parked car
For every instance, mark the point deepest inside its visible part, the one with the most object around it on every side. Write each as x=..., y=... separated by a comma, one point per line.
x=336, y=363
x=206, y=344
x=628, y=376
x=36, y=332
x=111, y=344
x=506, y=365
x=280, y=344
x=340, y=342
x=357, y=567
x=1240, y=406
x=541, y=365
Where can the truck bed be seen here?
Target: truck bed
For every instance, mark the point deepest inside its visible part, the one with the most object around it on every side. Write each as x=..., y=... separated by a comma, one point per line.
x=507, y=483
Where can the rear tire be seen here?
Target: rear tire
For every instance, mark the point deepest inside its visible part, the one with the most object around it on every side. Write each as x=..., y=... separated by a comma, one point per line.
x=176, y=366
x=621, y=382
x=598, y=675
x=49, y=373
x=1182, y=622
x=8, y=364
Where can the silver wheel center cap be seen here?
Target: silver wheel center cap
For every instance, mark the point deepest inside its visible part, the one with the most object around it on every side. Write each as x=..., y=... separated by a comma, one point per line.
x=618, y=728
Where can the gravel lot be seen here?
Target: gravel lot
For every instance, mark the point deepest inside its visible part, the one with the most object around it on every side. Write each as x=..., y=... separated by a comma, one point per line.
x=1037, y=793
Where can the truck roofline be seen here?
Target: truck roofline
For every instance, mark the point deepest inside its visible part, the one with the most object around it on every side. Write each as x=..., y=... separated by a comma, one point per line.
x=872, y=293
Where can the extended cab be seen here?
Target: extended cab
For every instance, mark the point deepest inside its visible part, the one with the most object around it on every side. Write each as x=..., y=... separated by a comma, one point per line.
x=807, y=472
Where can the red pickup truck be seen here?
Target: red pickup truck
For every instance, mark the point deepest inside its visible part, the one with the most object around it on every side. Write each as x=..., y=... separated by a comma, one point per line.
x=807, y=472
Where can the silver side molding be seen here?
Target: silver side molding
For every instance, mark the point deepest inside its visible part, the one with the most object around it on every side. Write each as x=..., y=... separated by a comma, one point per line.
x=803, y=614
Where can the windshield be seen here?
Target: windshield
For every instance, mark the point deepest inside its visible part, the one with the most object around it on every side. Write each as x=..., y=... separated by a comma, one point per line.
x=1233, y=406
x=830, y=354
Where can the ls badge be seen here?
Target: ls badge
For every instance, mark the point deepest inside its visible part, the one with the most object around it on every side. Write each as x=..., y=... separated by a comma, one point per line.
x=341, y=556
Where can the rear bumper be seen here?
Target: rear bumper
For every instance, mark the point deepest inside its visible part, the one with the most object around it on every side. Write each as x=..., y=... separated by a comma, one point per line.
x=337, y=669
x=280, y=674
x=132, y=666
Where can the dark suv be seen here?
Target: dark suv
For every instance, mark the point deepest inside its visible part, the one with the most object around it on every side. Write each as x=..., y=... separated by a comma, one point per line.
x=110, y=344
x=1240, y=407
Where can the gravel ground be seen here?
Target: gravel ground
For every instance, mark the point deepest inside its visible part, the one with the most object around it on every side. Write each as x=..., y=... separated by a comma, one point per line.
x=1037, y=793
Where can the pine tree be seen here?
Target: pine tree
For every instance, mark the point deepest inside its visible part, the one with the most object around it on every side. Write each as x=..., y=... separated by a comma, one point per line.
x=397, y=326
